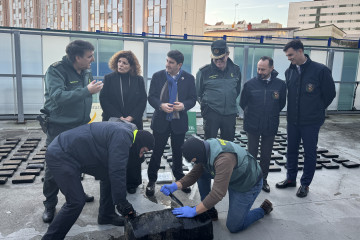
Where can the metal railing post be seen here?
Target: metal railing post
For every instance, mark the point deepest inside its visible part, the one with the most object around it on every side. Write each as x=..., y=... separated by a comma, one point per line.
x=19, y=88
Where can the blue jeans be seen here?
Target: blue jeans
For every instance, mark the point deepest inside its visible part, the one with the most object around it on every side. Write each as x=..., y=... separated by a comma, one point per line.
x=239, y=214
x=309, y=135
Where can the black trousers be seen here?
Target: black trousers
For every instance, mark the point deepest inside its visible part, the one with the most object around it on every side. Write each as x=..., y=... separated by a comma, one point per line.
x=214, y=121
x=50, y=188
x=66, y=175
x=133, y=171
x=177, y=140
x=265, y=150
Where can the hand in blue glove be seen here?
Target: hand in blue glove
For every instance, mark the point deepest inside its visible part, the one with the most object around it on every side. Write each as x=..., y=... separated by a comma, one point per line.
x=186, y=211
x=168, y=188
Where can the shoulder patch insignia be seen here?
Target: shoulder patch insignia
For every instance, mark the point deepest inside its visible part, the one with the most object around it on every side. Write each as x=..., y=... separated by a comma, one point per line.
x=309, y=87
x=232, y=75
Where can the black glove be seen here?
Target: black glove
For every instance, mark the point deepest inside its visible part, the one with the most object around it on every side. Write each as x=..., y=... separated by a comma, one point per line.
x=126, y=210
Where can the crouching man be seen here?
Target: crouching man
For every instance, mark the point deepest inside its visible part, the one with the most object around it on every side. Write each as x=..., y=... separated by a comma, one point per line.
x=98, y=149
x=232, y=169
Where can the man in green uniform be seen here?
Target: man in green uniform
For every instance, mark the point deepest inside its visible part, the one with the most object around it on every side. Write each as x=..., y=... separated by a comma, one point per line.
x=218, y=86
x=233, y=169
x=69, y=86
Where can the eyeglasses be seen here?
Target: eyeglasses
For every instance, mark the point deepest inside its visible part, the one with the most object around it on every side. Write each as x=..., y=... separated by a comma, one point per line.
x=220, y=59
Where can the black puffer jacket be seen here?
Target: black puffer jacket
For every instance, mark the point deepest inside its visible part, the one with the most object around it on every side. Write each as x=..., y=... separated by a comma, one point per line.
x=309, y=93
x=262, y=102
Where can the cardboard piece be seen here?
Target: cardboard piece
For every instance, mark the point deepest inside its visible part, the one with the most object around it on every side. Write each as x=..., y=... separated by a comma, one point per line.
x=23, y=179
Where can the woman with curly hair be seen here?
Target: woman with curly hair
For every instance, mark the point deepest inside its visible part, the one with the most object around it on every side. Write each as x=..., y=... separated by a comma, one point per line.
x=124, y=96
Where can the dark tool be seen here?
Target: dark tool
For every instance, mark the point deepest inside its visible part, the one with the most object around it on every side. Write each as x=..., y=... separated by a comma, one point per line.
x=176, y=199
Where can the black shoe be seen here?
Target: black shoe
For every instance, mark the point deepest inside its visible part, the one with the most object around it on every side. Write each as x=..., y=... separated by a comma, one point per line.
x=113, y=219
x=267, y=206
x=302, y=191
x=89, y=198
x=131, y=190
x=265, y=186
x=150, y=189
x=286, y=183
x=48, y=215
x=213, y=213
x=186, y=190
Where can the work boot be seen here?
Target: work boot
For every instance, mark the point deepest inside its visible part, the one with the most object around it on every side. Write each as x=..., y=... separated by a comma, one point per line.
x=267, y=206
x=48, y=215
x=112, y=219
x=131, y=190
x=213, y=214
x=265, y=186
x=150, y=189
x=286, y=183
x=89, y=198
x=302, y=191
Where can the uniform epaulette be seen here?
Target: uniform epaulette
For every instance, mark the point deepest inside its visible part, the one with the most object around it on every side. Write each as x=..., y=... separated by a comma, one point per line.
x=55, y=64
x=206, y=65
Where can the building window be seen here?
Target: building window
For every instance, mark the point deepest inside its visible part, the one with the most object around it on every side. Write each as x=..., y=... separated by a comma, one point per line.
x=163, y=29
x=150, y=29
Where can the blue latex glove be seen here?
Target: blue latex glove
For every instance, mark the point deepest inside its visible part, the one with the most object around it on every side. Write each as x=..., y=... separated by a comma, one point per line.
x=168, y=188
x=186, y=211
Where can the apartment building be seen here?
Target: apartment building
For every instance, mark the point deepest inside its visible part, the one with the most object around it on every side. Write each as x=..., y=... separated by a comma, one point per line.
x=130, y=16
x=345, y=14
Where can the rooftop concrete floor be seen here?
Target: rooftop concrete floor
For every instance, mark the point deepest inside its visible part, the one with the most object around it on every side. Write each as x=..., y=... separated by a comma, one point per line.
x=330, y=211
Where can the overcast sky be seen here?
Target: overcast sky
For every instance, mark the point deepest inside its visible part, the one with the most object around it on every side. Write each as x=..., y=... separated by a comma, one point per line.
x=249, y=10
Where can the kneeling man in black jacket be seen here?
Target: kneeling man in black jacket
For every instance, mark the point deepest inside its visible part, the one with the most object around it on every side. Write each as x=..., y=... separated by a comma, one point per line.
x=98, y=149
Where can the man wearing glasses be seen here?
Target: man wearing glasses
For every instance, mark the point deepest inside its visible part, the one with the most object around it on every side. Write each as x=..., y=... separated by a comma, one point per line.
x=218, y=86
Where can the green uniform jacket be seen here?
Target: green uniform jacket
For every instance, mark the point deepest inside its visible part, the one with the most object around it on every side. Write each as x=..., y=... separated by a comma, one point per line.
x=247, y=171
x=219, y=89
x=66, y=95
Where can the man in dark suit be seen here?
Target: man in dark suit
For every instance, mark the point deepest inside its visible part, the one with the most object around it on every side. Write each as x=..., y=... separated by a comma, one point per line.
x=172, y=93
